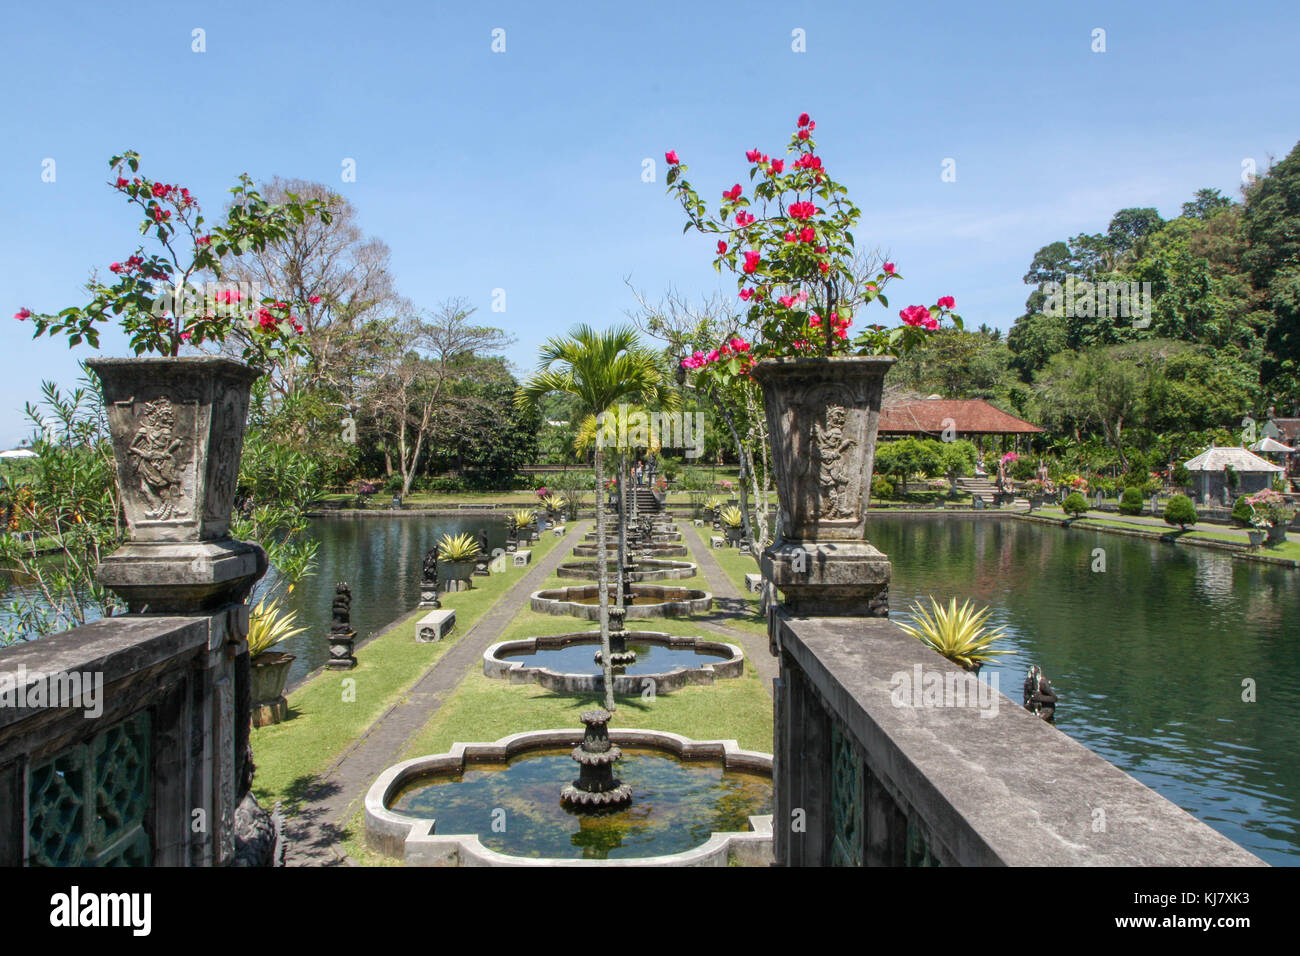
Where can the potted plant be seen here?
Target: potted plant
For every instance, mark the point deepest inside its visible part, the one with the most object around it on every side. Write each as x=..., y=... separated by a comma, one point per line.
x=1034, y=492
x=456, y=556
x=269, y=623
x=1276, y=511
x=791, y=247
x=526, y=521
x=177, y=421
x=732, y=520
x=958, y=633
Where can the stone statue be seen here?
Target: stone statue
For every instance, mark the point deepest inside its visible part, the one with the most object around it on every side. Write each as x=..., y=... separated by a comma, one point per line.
x=341, y=634
x=429, y=580
x=1039, y=697
x=483, y=540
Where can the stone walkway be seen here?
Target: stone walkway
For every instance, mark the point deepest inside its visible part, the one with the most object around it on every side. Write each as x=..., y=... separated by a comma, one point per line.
x=315, y=831
x=727, y=599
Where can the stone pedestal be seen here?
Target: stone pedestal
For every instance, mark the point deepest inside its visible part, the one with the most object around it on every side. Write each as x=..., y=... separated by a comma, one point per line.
x=830, y=578
x=429, y=594
x=341, y=656
x=182, y=576
x=435, y=625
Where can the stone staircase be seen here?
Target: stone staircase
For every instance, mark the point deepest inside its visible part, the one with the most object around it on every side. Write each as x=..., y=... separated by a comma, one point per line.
x=980, y=488
x=646, y=502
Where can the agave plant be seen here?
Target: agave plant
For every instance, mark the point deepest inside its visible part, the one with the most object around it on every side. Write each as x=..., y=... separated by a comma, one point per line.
x=555, y=502
x=731, y=516
x=461, y=547
x=958, y=633
x=269, y=623
x=523, y=517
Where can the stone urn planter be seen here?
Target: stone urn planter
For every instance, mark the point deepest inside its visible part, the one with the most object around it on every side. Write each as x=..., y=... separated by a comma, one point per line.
x=733, y=535
x=177, y=429
x=1256, y=538
x=456, y=574
x=1277, y=533
x=268, y=673
x=823, y=414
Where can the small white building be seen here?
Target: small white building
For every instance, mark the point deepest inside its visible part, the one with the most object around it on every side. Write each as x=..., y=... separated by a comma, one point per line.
x=1209, y=473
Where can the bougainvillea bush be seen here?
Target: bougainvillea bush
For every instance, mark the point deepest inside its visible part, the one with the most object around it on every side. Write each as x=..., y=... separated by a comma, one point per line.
x=154, y=294
x=790, y=244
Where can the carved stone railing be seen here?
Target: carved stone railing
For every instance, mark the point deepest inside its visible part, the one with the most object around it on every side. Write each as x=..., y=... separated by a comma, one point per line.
x=124, y=742
x=869, y=771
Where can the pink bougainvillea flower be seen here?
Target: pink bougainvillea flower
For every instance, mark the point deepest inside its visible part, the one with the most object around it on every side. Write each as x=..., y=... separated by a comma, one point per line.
x=815, y=319
x=824, y=267
x=930, y=322
x=746, y=294
x=947, y=302
x=820, y=250
x=791, y=237
x=744, y=219
x=713, y=355
x=777, y=166
x=803, y=210
x=871, y=287
x=807, y=234
x=914, y=315
x=751, y=261
x=203, y=240
x=121, y=182
x=889, y=268
x=804, y=134
x=804, y=119
x=185, y=336
x=786, y=300
x=733, y=193
x=753, y=155
x=115, y=268
x=313, y=299
x=722, y=248
x=23, y=314
x=671, y=157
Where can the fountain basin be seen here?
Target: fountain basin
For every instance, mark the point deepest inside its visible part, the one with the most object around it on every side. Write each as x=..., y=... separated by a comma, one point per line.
x=659, y=551
x=648, y=569
x=648, y=600
x=576, y=672
x=403, y=805
x=657, y=537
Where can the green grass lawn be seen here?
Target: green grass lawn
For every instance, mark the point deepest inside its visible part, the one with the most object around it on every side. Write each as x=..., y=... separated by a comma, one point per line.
x=324, y=721
x=1287, y=549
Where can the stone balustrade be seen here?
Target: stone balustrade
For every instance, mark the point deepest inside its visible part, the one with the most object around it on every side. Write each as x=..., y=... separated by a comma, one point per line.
x=872, y=771
x=125, y=742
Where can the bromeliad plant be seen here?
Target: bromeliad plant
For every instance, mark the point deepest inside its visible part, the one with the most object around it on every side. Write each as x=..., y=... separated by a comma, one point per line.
x=152, y=297
x=523, y=517
x=958, y=633
x=269, y=623
x=461, y=547
x=731, y=516
x=791, y=248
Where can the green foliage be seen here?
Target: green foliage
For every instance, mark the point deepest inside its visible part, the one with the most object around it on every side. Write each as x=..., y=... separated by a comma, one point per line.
x=1075, y=504
x=1130, y=503
x=460, y=547
x=1180, y=511
x=881, y=487
x=958, y=633
x=269, y=623
x=731, y=516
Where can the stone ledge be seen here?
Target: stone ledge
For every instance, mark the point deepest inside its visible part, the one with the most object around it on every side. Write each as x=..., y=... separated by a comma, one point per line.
x=1005, y=789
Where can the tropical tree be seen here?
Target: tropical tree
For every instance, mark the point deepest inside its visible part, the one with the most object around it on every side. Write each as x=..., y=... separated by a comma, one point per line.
x=600, y=369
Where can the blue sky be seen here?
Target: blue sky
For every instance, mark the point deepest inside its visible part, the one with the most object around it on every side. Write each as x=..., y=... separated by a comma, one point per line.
x=522, y=170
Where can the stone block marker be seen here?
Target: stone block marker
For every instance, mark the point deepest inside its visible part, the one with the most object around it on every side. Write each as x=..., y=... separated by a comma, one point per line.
x=753, y=582
x=523, y=557
x=717, y=541
x=435, y=625
x=699, y=522
x=559, y=531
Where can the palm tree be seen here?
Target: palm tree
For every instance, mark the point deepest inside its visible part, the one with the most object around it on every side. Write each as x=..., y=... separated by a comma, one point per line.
x=600, y=369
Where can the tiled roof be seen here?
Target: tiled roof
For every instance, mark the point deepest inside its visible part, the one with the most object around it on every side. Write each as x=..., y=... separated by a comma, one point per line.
x=969, y=416
x=1214, y=459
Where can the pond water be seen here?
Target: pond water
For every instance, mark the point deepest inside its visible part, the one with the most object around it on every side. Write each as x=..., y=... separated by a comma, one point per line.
x=579, y=658
x=675, y=805
x=1149, y=656
x=381, y=559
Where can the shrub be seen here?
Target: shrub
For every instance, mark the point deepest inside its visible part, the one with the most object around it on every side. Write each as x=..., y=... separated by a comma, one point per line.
x=1075, y=504
x=1131, y=502
x=393, y=484
x=1242, y=512
x=1024, y=468
x=882, y=487
x=1180, y=511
